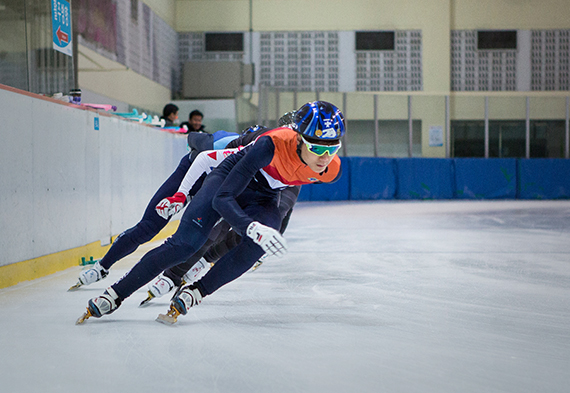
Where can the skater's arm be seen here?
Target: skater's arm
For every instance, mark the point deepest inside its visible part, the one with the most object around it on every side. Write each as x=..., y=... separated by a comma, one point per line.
x=258, y=156
x=202, y=165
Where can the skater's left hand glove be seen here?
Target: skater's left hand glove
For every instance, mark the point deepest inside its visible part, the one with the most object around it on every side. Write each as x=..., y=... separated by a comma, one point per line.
x=267, y=238
x=170, y=206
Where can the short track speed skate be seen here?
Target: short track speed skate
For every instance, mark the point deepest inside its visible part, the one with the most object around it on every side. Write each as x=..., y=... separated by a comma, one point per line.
x=170, y=318
x=105, y=304
x=186, y=297
x=86, y=315
x=157, y=288
x=149, y=297
x=89, y=276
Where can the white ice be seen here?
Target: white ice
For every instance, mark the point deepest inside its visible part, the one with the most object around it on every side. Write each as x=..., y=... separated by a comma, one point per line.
x=438, y=296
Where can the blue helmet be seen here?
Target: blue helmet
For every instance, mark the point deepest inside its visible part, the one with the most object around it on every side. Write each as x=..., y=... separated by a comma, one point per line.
x=319, y=120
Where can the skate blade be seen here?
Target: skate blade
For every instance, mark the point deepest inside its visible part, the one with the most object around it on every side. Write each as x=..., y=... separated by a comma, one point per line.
x=256, y=266
x=84, y=317
x=75, y=287
x=166, y=319
x=147, y=300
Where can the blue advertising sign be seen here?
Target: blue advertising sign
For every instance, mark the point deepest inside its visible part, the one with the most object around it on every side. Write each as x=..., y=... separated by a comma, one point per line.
x=61, y=26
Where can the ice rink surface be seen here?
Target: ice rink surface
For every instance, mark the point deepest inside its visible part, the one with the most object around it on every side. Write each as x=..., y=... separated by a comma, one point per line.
x=438, y=296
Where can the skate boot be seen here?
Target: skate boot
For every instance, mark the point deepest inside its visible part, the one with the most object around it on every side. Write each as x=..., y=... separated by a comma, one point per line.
x=157, y=288
x=89, y=276
x=198, y=270
x=105, y=304
x=186, y=297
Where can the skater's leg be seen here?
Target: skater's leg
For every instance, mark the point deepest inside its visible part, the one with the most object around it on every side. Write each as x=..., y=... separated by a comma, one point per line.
x=177, y=272
x=242, y=257
x=128, y=241
x=217, y=234
x=222, y=246
x=185, y=272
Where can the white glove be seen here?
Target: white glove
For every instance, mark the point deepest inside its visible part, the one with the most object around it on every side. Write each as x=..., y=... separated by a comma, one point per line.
x=269, y=239
x=171, y=205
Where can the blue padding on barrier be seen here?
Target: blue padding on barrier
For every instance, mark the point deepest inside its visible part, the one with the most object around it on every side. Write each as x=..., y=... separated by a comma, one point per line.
x=544, y=178
x=480, y=178
x=424, y=178
x=372, y=178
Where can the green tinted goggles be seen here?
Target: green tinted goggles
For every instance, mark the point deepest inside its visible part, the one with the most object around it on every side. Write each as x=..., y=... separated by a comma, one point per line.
x=320, y=150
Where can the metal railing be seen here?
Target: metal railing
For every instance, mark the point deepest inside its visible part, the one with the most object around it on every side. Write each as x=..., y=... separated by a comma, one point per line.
x=367, y=115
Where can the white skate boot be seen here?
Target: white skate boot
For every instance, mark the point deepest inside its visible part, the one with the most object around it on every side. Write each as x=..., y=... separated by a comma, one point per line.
x=105, y=304
x=186, y=297
x=89, y=276
x=157, y=288
x=198, y=270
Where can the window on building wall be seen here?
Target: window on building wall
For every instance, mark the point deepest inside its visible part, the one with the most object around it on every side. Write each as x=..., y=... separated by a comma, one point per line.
x=497, y=39
x=507, y=138
x=224, y=42
x=27, y=58
x=375, y=40
x=13, y=47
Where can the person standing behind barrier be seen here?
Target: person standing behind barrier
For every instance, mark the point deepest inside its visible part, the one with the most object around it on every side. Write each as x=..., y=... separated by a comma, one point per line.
x=169, y=114
x=194, y=123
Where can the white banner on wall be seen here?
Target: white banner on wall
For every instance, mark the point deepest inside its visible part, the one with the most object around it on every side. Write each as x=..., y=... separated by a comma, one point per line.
x=436, y=136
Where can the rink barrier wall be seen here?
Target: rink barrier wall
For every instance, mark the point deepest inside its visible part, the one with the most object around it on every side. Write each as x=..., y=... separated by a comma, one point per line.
x=72, y=178
x=16, y=273
x=368, y=178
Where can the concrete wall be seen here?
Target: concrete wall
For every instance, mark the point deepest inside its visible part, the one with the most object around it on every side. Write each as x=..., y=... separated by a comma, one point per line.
x=65, y=184
x=112, y=79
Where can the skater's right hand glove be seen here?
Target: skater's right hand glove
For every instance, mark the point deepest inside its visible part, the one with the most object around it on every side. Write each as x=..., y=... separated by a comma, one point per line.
x=170, y=206
x=269, y=239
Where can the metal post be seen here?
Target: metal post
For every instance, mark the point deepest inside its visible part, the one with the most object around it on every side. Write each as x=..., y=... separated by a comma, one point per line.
x=295, y=105
x=410, y=127
x=527, y=133
x=236, y=108
x=376, y=126
x=567, y=138
x=265, y=106
x=75, y=44
x=344, y=138
x=486, y=127
x=277, y=112
x=447, y=128
x=260, y=105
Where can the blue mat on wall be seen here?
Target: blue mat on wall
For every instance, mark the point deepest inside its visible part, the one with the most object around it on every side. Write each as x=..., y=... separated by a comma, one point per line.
x=544, y=178
x=424, y=178
x=480, y=178
x=368, y=178
x=372, y=178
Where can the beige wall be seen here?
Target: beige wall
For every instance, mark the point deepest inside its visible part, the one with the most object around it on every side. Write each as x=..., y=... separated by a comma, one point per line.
x=510, y=14
x=112, y=79
x=165, y=9
x=432, y=17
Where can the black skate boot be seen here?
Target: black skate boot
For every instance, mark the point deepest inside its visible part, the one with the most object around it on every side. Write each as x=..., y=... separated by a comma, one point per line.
x=186, y=297
x=105, y=304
